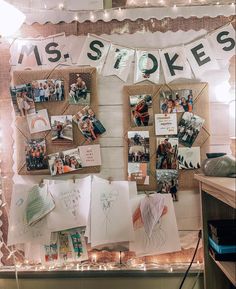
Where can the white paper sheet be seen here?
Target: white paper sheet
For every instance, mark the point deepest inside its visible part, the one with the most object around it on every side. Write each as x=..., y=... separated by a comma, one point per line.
x=72, y=204
x=111, y=219
x=164, y=238
x=19, y=232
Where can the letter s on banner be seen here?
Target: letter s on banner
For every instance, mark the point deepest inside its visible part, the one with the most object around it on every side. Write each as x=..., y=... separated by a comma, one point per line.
x=222, y=41
x=94, y=52
x=201, y=57
x=175, y=64
x=147, y=66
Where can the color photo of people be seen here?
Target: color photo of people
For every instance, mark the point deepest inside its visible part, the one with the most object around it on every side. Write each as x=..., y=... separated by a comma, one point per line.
x=64, y=162
x=22, y=99
x=176, y=101
x=141, y=110
x=138, y=147
x=189, y=128
x=166, y=153
x=80, y=88
x=62, y=131
x=48, y=90
x=167, y=182
x=88, y=124
x=36, y=159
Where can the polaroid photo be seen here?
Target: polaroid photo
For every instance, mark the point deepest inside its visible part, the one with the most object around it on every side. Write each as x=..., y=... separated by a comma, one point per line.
x=138, y=147
x=38, y=121
x=35, y=155
x=189, y=158
x=47, y=90
x=50, y=253
x=22, y=99
x=139, y=173
x=88, y=124
x=167, y=153
x=176, y=101
x=141, y=110
x=167, y=182
x=62, y=129
x=166, y=124
x=80, y=86
x=189, y=128
x=64, y=162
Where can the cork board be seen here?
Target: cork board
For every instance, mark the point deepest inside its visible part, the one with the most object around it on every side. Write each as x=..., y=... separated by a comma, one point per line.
x=200, y=108
x=53, y=108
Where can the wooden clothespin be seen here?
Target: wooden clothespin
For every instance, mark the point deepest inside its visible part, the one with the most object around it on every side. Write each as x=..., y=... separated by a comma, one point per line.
x=147, y=193
x=109, y=180
x=41, y=183
x=73, y=179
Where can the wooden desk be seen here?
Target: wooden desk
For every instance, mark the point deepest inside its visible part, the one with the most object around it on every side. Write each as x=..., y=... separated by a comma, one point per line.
x=218, y=201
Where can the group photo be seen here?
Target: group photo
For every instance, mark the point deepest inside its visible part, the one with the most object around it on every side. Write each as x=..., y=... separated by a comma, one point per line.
x=138, y=147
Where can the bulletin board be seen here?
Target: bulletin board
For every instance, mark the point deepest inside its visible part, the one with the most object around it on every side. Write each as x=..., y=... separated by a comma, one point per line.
x=200, y=108
x=53, y=108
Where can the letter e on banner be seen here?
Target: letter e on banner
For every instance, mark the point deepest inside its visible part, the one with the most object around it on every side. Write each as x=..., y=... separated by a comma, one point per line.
x=175, y=64
x=147, y=66
x=26, y=53
x=94, y=52
x=201, y=57
x=222, y=41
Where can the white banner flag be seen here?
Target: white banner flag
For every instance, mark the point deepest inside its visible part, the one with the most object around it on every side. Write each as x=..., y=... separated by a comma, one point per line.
x=222, y=41
x=94, y=52
x=147, y=66
x=118, y=62
x=201, y=57
x=175, y=64
x=55, y=50
x=26, y=53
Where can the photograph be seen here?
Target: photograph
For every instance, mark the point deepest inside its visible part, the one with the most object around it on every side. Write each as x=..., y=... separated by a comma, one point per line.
x=80, y=88
x=138, y=147
x=62, y=130
x=22, y=99
x=141, y=110
x=167, y=182
x=88, y=124
x=51, y=252
x=47, y=90
x=189, y=128
x=64, y=162
x=176, y=101
x=38, y=121
x=166, y=153
x=139, y=173
x=189, y=158
x=166, y=124
x=35, y=152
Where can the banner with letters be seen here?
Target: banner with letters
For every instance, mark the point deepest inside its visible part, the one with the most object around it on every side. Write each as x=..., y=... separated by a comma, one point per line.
x=186, y=61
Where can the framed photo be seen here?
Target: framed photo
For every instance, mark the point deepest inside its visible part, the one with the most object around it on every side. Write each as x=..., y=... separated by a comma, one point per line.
x=35, y=152
x=38, y=121
x=166, y=124
x=176, y=101
x=167, y=182
x=62, y=130
x=48, y=90
x=189, y=158
x=189, y=128
x=22, y=99
x=80, y=88
x=141, y=111
x=64, y=162
x=90, y=127
x=166, y=153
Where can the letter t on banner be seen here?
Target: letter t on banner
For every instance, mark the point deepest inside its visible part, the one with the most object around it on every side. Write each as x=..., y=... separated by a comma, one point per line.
x=175, y=64
x=147, y=66
x=201, y=57
x=118, y=62
x=94, y=52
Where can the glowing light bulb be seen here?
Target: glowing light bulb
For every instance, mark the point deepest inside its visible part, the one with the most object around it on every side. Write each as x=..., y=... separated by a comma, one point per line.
x=106, y=14
x=61, y=6
x=76, y=17
x=91, y=16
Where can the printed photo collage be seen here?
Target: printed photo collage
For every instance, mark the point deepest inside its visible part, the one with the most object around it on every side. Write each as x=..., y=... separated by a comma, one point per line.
x=173, y=139
x=26, y=97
